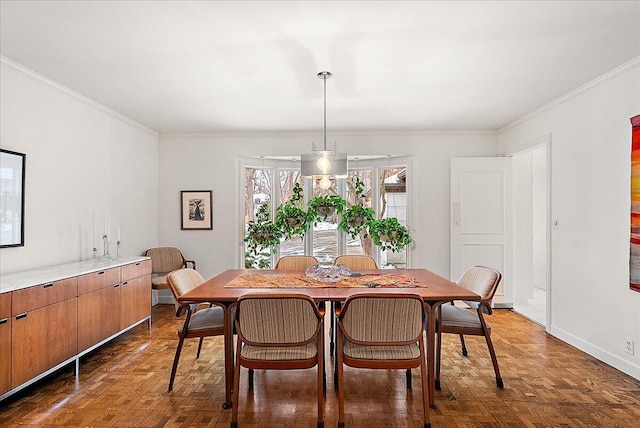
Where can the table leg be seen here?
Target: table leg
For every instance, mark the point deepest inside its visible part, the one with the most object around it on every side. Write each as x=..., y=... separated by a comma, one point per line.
x=228, y=356
x=431, y=340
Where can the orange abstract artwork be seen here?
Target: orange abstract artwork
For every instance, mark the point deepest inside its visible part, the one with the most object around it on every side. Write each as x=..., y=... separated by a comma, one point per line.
x=634, y=256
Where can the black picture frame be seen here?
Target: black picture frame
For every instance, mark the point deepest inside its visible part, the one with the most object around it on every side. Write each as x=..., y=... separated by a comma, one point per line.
x=196, y=209
x=12, y=179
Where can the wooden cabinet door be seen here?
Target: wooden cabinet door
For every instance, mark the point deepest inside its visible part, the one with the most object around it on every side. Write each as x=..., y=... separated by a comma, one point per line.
x=98, y=316
x=5, y=342
x=43, y=338
x=135, y=300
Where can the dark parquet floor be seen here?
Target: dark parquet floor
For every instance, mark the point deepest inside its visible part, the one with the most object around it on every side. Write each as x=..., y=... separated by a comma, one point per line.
x=124, y=384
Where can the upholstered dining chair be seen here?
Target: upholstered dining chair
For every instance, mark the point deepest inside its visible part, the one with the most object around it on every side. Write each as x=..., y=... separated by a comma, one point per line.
x=381, y=331
x=356, y=262
x=199, y=322
x=278, y=331
x=163, y=261
x=296, y=262
x=462, y=321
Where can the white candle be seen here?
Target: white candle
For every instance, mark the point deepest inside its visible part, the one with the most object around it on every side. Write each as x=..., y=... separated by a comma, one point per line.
x=106, y=232
x=118, y=233
x=94, y=229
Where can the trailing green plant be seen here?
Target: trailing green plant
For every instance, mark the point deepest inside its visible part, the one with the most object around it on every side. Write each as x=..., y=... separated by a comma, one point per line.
x=261, y=260
x=324, y=206
x=262, y=233
x=389, y=234
x=358, y=217
x=292, y=219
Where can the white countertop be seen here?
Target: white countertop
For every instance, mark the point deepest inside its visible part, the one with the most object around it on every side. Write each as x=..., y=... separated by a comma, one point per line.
x=29, y=278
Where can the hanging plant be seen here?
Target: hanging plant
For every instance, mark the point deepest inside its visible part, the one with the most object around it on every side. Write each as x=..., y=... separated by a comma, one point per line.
x=262, y=233
x=358, y=217
x=322, y=207
x=389, y=234
x=291, y=219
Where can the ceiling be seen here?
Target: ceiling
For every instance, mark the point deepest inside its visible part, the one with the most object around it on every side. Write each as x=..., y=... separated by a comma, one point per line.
x=205, y=66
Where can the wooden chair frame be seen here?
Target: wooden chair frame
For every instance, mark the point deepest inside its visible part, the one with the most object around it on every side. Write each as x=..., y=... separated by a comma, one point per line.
x=185, y=264
x=251, y=364
x=483, y=307
x=185, y=333
x=378, y=363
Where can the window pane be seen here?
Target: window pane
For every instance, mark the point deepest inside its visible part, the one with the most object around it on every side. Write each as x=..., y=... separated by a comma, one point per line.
x=325, y=233
x=393, y=203
x=257, y=191
x=359, y=245
x=288, y=179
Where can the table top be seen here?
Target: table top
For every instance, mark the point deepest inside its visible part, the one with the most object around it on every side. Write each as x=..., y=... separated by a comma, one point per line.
x=437, y=289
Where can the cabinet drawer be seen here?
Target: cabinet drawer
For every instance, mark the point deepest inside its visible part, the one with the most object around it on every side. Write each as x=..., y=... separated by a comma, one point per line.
x=97, y=280
x=135, y=270
x=39, y=296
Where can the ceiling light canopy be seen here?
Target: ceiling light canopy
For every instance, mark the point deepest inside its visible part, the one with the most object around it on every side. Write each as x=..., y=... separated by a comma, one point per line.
x=324, y=163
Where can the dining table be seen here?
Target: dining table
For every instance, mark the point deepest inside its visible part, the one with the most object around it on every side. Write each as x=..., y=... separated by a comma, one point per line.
x=225, y=289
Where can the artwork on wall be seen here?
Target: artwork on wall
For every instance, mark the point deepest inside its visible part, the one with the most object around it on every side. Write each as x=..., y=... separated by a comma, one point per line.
x=634, y=253
x=196, y=209
x=12, y=173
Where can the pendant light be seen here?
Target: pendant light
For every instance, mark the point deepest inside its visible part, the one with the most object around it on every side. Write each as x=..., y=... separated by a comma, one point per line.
x=324, y=163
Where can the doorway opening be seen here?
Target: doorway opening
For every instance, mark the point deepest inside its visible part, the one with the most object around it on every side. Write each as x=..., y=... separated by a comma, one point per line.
x=531, y=235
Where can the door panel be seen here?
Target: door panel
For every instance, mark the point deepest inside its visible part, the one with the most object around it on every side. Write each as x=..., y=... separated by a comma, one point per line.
x=481, y=218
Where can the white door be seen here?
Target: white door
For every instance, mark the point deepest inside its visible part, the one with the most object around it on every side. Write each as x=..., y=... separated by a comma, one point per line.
x=481, y=219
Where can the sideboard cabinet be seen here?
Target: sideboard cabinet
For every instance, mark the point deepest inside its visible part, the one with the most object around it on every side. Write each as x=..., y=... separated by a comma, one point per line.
x=48, y=325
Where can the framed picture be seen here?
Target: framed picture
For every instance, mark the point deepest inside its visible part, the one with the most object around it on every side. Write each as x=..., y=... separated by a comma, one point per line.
x=196, y=209
x=12, y=173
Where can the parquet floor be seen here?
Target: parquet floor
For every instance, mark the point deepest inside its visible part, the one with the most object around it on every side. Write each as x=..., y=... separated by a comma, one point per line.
x=124, y=384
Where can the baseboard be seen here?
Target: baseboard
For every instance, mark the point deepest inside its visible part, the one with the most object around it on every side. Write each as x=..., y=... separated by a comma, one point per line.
x=607, y=357
x=503, y=305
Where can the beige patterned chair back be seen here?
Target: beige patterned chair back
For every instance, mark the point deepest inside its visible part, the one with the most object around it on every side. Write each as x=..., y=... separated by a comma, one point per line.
x=296, y=262
x=388, y=319
x=481, y=280
x=165, y=259
x=282, y=320
x=357, y=262
x=183, y=280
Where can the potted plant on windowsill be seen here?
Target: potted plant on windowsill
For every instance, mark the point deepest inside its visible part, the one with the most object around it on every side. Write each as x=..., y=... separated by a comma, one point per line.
x=358, y=217
x=324, y=206
x=389, y=234
x=291, y=219
x=262, y=234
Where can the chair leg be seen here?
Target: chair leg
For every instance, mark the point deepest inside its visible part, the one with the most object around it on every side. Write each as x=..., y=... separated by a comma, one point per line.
x=408, y=374
x=340, y=370
x=425, y=390
x=175, y=363
x=332, y=327
x=251, y=379
x=199, y=347
x=321, y=384
x=236, y=388
x=494, y=360
x=464, y=348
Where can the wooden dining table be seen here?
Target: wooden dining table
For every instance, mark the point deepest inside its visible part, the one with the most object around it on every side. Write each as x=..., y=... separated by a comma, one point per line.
x=225, y=289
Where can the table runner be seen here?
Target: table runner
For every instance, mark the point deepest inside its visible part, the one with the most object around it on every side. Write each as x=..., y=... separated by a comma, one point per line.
x=281, y=280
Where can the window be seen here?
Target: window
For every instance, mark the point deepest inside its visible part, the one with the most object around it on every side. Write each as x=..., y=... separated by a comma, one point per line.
x=385, y=191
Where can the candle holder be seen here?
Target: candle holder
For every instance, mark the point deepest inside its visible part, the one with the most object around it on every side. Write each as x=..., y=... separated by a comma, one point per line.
x=94, y=257
x=118, y=256
x=106, y=243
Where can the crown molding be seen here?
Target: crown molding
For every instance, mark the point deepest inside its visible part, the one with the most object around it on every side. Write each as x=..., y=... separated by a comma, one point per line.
x=45, y=80
x=610, y=75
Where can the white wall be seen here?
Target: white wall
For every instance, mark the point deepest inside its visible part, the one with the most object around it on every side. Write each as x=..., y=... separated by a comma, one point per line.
x=211, y=162
x=591, y=304
x=81, y=159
